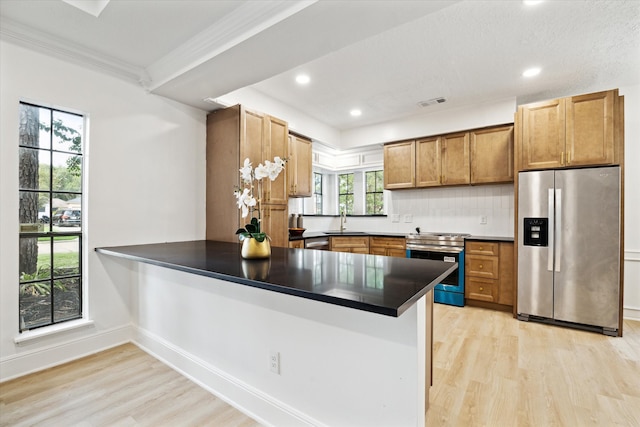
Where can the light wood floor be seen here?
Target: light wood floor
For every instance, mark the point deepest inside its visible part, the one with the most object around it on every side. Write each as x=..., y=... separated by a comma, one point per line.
x=493, y=370
x=123, y=387
x=489, y=370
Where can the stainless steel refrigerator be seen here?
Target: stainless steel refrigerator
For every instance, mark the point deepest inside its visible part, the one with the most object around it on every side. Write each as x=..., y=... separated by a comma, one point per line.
x=569, y=247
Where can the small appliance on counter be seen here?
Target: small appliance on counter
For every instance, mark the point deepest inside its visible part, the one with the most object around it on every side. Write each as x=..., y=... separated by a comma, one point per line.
x=447, y=247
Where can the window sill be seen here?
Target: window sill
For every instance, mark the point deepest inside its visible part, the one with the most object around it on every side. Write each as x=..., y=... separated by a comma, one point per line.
x=348, y=216
x=36, y=334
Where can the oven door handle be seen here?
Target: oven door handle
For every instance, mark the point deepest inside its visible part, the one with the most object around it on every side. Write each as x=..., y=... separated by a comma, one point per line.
x=434, y=248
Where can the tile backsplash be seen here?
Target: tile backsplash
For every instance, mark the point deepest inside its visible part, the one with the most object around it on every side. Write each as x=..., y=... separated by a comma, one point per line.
x=447, y=209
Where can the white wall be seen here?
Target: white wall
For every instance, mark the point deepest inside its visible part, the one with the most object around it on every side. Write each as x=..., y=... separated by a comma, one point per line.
x=432, y=122
x=145, y=166
x=449, y=209
x=632, y=202
x=298, y=121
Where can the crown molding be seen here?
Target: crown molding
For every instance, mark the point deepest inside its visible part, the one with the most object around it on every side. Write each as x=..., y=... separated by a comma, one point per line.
x=46, y=43
x=242, y=23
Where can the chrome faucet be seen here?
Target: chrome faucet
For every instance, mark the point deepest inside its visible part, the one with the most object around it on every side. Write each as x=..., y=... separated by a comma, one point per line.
x=343, y=220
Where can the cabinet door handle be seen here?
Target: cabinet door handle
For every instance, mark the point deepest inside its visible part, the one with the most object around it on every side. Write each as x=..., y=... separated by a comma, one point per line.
x=568, y=157
x=481, y=248
x=562, y=158
x=481, y=288
x=480, y=266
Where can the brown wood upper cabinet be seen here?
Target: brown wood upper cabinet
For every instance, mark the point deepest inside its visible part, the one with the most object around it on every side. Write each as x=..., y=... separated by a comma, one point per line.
x=300, y=167
x=491, y=155
x=567, y=132
x=478, y=156
x=442, y=160
x=233, y=134
x=455, y=159
x=399, y=165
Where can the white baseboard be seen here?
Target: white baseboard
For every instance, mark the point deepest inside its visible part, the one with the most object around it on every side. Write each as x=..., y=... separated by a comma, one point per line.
x=43, y=356
x=631, y=313
x=256, y=404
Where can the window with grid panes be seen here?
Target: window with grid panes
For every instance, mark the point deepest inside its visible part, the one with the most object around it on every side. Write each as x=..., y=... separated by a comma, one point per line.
x=317, y=192
x=345, y=193
x=50, y=215
x=374, y=200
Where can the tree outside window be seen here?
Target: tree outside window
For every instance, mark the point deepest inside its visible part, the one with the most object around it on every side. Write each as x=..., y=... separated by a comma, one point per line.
x=50, y=215
x=345, y=193
x=373, y=193
x=317, y=191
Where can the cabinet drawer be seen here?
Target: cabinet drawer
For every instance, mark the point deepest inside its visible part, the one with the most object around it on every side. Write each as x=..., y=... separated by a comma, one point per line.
x=387, y=242
x=299, y=244
x=350, y=242
x=483, y=248
x=481, y=266
x=481, y=289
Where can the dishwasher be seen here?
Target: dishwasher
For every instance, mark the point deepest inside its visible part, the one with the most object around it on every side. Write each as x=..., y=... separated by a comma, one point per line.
x=318, y=243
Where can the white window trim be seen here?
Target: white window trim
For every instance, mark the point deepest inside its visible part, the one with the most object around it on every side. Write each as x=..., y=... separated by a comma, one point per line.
x=27, y=337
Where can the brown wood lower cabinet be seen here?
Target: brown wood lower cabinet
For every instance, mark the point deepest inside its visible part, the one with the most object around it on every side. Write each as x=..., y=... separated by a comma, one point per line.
x=353, y=244
x=298, y=244
x=388, y=246
x=489, y=275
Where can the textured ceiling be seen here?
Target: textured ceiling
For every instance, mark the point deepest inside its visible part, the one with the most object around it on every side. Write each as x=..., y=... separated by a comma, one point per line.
x=383, y=57
x=471, y=52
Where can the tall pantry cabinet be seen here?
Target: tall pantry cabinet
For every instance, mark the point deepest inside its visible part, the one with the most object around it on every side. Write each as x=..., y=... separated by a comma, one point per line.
x=233, y=134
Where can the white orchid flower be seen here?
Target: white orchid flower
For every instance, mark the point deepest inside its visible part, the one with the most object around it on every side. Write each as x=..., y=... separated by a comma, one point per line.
x=245, y=171
x=275, y=168
x=245, y=201
x=261, y=171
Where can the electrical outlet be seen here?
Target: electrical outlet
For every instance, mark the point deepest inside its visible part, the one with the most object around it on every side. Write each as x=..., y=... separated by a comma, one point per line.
x=274, y=362
x=395, y=218
x=483, y=219
x=408, y=218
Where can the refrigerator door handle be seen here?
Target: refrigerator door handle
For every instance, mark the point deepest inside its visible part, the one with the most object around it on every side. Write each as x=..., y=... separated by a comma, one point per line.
x=558, y=226
x=551, y=230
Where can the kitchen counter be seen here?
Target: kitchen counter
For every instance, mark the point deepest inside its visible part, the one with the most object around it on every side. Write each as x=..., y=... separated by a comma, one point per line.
x=490, y=238
x=313, y=234
x=391, y=286
x=292, y=338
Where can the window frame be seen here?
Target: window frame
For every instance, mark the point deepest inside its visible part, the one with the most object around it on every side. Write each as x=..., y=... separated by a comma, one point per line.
x=317, y=193
x=349, y=198
x=378, y=193
x=57, y=276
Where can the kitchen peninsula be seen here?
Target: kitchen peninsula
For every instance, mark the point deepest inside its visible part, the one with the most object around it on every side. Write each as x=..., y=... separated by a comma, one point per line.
x=305, y=337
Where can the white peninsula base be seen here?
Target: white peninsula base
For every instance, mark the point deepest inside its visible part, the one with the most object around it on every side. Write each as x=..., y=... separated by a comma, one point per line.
x=339, y=366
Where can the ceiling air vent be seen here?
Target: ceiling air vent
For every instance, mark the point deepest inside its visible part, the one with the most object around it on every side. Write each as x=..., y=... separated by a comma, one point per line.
x=432, y=101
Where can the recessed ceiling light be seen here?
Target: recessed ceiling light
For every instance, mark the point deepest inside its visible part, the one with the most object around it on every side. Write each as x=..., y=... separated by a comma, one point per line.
x=531, y=2
x=531, y=72
x=302, y=79
x=355, y=112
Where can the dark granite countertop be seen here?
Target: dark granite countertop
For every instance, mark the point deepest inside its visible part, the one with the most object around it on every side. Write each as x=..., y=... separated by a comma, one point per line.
x=313, y=234
x=378, y=284
x=490, y=238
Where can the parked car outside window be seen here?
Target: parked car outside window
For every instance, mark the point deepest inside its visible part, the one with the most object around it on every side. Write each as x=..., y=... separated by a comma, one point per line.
x=67, y=218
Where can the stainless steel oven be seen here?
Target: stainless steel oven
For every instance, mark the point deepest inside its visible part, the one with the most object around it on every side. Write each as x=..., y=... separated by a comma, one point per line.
x=447, y=247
